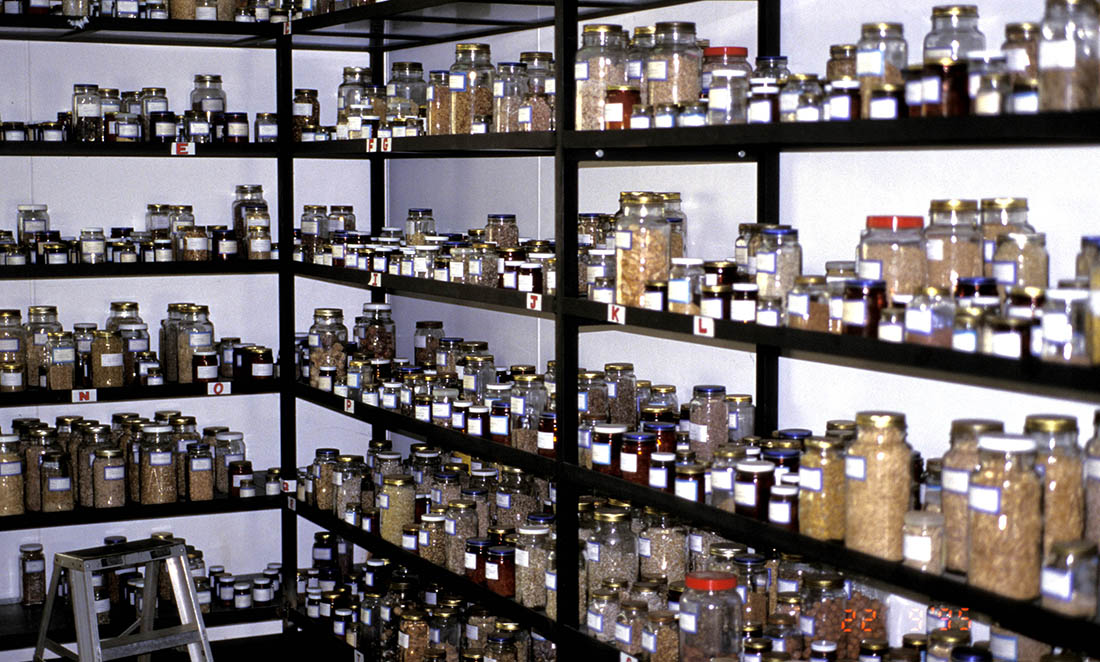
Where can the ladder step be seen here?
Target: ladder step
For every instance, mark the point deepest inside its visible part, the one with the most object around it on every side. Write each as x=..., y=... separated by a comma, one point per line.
x=147, y=642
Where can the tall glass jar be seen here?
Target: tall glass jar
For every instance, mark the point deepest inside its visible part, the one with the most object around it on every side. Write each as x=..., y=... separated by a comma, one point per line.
x=778, y=262
x=471, y=86
x=1005, y=528
x=406, y=90
x=1000, y=216
x=1021, y=50
x=502, y=229
x=377, y=336
x=611, y=551
x=1061, y=469
x=350, y=91
x=636, y=56
x=878, y=474
x=601, y=62
x=891, y=248
x=709, y=420
x=641, y=248
x=710, y=616
x=1021, y=260
x=881, y=57
x=952, y=242
x=328, y=339
x=527, y=403
x=959, y=462
x=662, y=548
x=307, y=111
x=250, y=197
x=536, y=113
x=509, y=90
x=674, y=65
x=1069, y=56
x=954, y=33
x=821, y=502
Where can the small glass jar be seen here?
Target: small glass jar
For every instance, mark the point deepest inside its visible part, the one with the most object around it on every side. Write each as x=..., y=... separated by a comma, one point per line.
x=923, y=541
x=265, y=128
x=1020, y=259
x=801, y=99
x=709, y=420
x=710, y=615
x=778, y=262
x=1067, y=57
x=32, y=566
x=753, y=481
x=863, y=303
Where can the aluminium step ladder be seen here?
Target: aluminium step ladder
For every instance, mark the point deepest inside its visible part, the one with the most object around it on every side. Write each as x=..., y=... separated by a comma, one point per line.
x=81, y=564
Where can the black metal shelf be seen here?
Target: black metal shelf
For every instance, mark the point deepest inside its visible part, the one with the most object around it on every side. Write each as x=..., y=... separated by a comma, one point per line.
x=400, y=24
x=19, y=624
x=511, y=301
x=107, y=30
x=1029, y=373
x=39, y=397
x=742, y=142
x=321, y=638
x=1025, y=617
x=434, y=434
x=81, y=516
x=458, y=583
x=139, y=269
x=202, y=150
x=482, y=146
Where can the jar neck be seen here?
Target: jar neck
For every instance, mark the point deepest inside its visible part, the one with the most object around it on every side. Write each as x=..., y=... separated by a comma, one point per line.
x=677, y=37
x=644, y=41
x=612, y=40
x=955, y=23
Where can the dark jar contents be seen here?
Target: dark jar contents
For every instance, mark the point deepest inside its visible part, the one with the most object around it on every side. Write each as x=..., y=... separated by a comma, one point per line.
x=500, y=570
x=637, y=447
x=783, y=507
x=606, y=442
x=204, y=367
x=863, y=304
x=946, y=89
x=547, y=440
x=499, y=423
x=477, y=552
x=752, y=485
x=691, y=482
x=619, y=106
x=238, y=471
x=664, y=431
x=662, y=472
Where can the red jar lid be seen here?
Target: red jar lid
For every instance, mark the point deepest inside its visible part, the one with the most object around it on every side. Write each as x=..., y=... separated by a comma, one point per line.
x=710, y=581
x=895, y=222
x=725, y=50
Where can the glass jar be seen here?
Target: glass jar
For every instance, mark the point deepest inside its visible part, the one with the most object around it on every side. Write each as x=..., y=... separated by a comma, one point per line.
x=32, y=567
x=536, y=112
x=673, y=66
x=1020, y=259
x=426, y=341
x=778, y=262
x=821, y=503
x=892, y=249
x=661, y=547
x=396, y=504
x=801, y=99
x=470, y=86
x=710, y=615
x=954, y=34
x=509, y=89
x=327, y=341
x=1060, y=468
x=958, y=464
x=863, y=302
x=307, y=111
x=1000, y=216
x=709, y=420
x=611, y=551
x=1063, y=325
x=600, y=62
x=406, y=90
x=603, y=610
x=878, y=474
x=923, y=541
x=1067, y=56
x=753, y=481
x=881, y=58
x=1005, y=525
x=1068, y=580
x=158, y=469
x=725, y=59
x=641, y=248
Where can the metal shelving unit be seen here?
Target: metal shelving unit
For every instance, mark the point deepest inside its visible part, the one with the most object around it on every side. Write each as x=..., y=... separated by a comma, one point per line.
x=152, y=269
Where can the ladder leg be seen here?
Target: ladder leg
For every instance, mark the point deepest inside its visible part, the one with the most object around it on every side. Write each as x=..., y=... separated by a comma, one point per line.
x=187, y=603
x=87, y=635
x=148, y=603
x=47, y=614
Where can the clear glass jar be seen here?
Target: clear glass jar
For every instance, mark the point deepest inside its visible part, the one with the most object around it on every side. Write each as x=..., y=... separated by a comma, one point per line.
x=526, y=405
x=930, y=318
x=1068, y=579
x=307, y=111
x=93, y=246
x=778, y=262
x=328, y=339
x=881, y=57
x=953, y=243
x=709, y=420
x=510, y=87
x=802, y=99
x=406, y=90
x=878, y=474
x=1001, y=216
x=954, y=34
x=923, y=541
x=419, y=225
x=1064, y=321
x=31, y=219
x=1069, y=62
x=536, y=112
x=1020, y=259
x=891, y=248
x=87, y=117
x=661, y=547
x=1021, y=50
x=426, y=341
x=722, y=58
x=641, y=248
x=636, y=56
x=821, y=503
x=603, y=610
x=1005, y=525
x=674, y=65
x=710, y=615
x=470, y=86
x=1060, y=467
x=397, y=506
x=600, y=62
x=350, y=91
x=532, y=561
x=727, y=97
x=611, y=551
x=502, y=230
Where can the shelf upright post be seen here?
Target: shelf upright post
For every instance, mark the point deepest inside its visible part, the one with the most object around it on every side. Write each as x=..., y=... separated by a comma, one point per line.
x=768, y=21
x=566, y=326
x=378, y=167
x=288, y=433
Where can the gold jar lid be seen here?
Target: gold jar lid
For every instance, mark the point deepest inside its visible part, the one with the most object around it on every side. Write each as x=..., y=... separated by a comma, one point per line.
x=1050, y=423
x=824, y=580
x=663, y=388
x=949, y=637
x=739, y=398
x=1021, y=30
x=788, y=598
x=822, y=443
x=810, y=280
x=618, y=367
x=975, y=426
x=758, y=644
x=611, y=514
x=414, y=615
x=397, y=479
x=990, y=204
x=880, y=419
x=882, y=27
x=328, y=312
x=962, y=11
x=691, y=469
x=726, y=550
x=953, y=205
x=470, y=48
x=602, y=28
x=729, y=452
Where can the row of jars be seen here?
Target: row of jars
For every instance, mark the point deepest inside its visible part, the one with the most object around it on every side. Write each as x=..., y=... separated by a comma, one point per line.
x=108, y=115
x=120, y=593
x=82, y=463
x=254, y=11
x=666, y=77
x=383, y=610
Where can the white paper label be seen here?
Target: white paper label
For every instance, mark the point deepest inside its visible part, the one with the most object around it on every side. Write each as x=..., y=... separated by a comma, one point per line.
x=628, y=463
x=743, y=311
x=806, y=625
x=1061, y=54
x=884, y=109
x=688, y=622
x=1057, y=584
x=744, y=494
x=1007, y=344
x=110, y=360
x=930, y=89
x=1003, y=647
x=760, y=111
x=658, y=477
x=595, y=622
x=955, y=481
x=580, y=71
x=855, y=312
x=765, y=263
x=855, y=467
x=870, y=62
x=779, y=512
x=722, y=479
x=985, y=499
x=917, y=548
x=656, y=70
x=613, y=112
x=59, y=484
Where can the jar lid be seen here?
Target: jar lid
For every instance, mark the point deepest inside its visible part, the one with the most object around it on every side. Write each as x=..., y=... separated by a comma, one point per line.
x=610, y=429
x=397, y=479
x=792, y=491
x=944, y=11
x=30, y=547
x=874, y=644
x=823, y=646
x=663, y=457
x=639, y=437
x=502, y=550
x=611, y=514
x=880, y=419
x=949, y=636
x=822, y=443
x=740, y=51
x=953, y=205
x=1050, y=423
x=975, y=426
x=710, y=581
x=755, y=466
x=691, y=469
x=970, y=654
x=1006, y=443
x=429, y=324
x=534, y=530
x=432, y=517
x=895, y=223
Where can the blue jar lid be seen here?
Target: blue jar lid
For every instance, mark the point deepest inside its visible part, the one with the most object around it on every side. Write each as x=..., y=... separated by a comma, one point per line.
x=793, y=433
x=541, y=518
x=970, y=654
x=779, y=232
x=709, y=389
x=657, y=425
x=864, y=283
x=780, y=452
x=639, y=436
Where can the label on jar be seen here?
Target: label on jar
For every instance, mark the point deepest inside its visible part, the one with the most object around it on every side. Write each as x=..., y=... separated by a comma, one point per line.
x=545, y=440
x=33, y=567
x=10, y=468
x=424, y=538
x=679, y=290
x=61, y=484
x=441, y=410
x=811, y=479
x=744, y=494
x=595, y=621
x=137, y=345
x=985, y=499
x=200, y=338
x=931, y=89
x=688, y=622
x=110, y=360
x=408, y=541
x=498, y=425
x=1004, y=271
x=1003, y=647
x=88, y=109
x=622, y=633
x=423, y=412
x=64, y=355
x=303, y=110
x=713, y=308
x=384, y=501
x=855, y=467
x=840, y=107
x=697, y=432
x=1007, y=344
x=601, y=454
x=474, y=427
x=592, y=551
x=955, y=481
x=965, y=341
x=656, y=70
x=870, y=62
x=163, y=129
x=743, y=311
x=1059, y=54
x=806, y=625
x=624, y=239
x=808, y=115
x=884, y=109
x=870, y=269
x=760, y=111
x=788, y=102
x=199, y=128
x=504, y=500
x=206, y=371
x=917, y=548
x=768, y=317
x=658, y=477
x=268, y=131
x=855, y=312
x=779, y=512
x=797, y=304
x=640, y=122
x=765, y=262
x=628, y=463
x=202, y=464
x=403, y=639
x=722, y=479
x=9, y=344
x=517, y=403
x=649, y=642
x=1057, y=584
x=613, y=112
x=456, y=82
x=891, y=332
